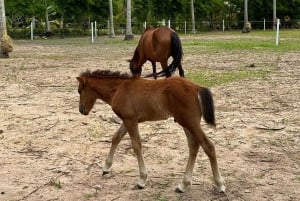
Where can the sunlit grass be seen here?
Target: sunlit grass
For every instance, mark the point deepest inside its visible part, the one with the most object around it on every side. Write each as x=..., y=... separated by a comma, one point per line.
x=211, y=78
x=228, y=42
x=289, y=40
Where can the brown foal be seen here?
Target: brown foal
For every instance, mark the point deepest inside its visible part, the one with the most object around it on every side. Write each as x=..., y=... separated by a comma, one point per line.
x=136, y=100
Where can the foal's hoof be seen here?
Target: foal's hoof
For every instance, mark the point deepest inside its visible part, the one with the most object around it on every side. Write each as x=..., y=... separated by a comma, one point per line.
x=221, y=185
x=140, y=185
x=221, y=189
x=105, y=172
x=179, y=189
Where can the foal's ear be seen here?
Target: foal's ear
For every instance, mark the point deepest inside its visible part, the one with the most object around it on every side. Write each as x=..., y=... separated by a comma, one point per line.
x=81, y=80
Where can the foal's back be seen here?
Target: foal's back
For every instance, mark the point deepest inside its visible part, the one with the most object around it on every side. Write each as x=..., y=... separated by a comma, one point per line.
x=152, y=100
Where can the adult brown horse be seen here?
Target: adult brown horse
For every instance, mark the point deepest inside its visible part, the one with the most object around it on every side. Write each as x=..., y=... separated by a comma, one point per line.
x=157, y=45
x=135, y=100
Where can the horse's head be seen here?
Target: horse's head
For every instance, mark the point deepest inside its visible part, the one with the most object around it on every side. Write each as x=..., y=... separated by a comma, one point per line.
x=88, y=96
x=134, y=68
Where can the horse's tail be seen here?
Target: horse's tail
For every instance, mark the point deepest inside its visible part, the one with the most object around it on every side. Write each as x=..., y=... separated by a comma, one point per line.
x=207, y=106
x=176, y=52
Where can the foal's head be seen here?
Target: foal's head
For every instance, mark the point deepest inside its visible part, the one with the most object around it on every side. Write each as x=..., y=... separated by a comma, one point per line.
x=88, y=96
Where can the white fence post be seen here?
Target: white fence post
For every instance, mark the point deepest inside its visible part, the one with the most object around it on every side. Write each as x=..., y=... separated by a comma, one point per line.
x=169, y=23
x=184, y=27
x=223, y=25
x=264, y=24
x=95, y=29
x=92, y=31
x=277, y=32
x=31, y=30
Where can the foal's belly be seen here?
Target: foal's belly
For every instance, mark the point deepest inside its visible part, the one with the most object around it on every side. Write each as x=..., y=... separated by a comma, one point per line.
x=155, y=113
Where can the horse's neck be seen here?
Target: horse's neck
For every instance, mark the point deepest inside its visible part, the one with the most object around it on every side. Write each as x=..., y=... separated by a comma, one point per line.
x=106, y=88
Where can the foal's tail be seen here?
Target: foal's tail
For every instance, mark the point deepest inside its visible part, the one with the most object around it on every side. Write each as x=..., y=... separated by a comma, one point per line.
x=207, y=106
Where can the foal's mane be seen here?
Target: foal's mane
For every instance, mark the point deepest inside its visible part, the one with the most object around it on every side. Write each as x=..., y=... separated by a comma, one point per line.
x=105, y=73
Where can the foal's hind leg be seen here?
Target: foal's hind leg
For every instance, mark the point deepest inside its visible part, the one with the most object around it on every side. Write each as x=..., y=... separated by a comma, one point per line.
x=115, y=141
x=209, y=149
x=193, y=151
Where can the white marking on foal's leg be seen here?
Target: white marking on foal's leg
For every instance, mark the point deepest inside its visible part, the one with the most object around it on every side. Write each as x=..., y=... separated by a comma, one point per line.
x=220, y=182
x=115, y=141
x=141, y=183
x=186, y=182
x=193, y=151
x=107, y=167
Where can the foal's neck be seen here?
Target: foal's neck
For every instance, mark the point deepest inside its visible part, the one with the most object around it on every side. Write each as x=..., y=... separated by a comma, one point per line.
x=105, y=88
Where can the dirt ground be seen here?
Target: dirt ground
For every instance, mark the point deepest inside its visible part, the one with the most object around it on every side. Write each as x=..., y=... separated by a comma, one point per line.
x=49, y=151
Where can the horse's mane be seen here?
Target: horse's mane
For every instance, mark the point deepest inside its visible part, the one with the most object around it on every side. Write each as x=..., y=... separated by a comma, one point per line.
x=105, y=73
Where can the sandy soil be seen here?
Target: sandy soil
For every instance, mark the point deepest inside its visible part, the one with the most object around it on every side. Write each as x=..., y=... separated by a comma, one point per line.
x=49, y=151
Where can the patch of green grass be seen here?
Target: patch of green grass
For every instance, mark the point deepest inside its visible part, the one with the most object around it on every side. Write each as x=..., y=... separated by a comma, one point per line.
x=211, y=78
x=255, y=40
x=158, y=197
x=56, y=184
x=90, y=195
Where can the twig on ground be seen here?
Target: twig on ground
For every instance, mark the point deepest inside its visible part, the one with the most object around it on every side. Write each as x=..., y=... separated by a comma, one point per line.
x=268, y=128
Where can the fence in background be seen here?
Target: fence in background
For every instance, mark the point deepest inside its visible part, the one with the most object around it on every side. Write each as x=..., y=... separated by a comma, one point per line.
x=77, y=30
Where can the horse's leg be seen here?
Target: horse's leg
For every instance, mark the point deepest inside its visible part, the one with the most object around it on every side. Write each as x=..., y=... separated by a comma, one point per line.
x=181, y=71
x=114, y=143
x=154, y=69
x=164, y=66
x=133, y=131
x=209, y=149
x=193, y=151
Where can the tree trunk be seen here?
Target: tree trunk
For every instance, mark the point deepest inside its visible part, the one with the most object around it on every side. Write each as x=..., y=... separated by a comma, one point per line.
x=48, y=28
x=193, y=17
x=128, y=31
x=247, y=24
x=6, y=44
x=2, y=19
x=274, y=15
x=111, y=20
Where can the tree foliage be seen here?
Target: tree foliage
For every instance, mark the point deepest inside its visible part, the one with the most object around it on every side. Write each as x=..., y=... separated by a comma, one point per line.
x=20, y=12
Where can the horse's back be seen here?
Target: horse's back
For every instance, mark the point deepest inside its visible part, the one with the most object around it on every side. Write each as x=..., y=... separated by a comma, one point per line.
x=157, y=44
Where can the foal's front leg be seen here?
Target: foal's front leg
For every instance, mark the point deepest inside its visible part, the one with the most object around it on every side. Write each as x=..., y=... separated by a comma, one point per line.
x=114, y=143
x=133, y=131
